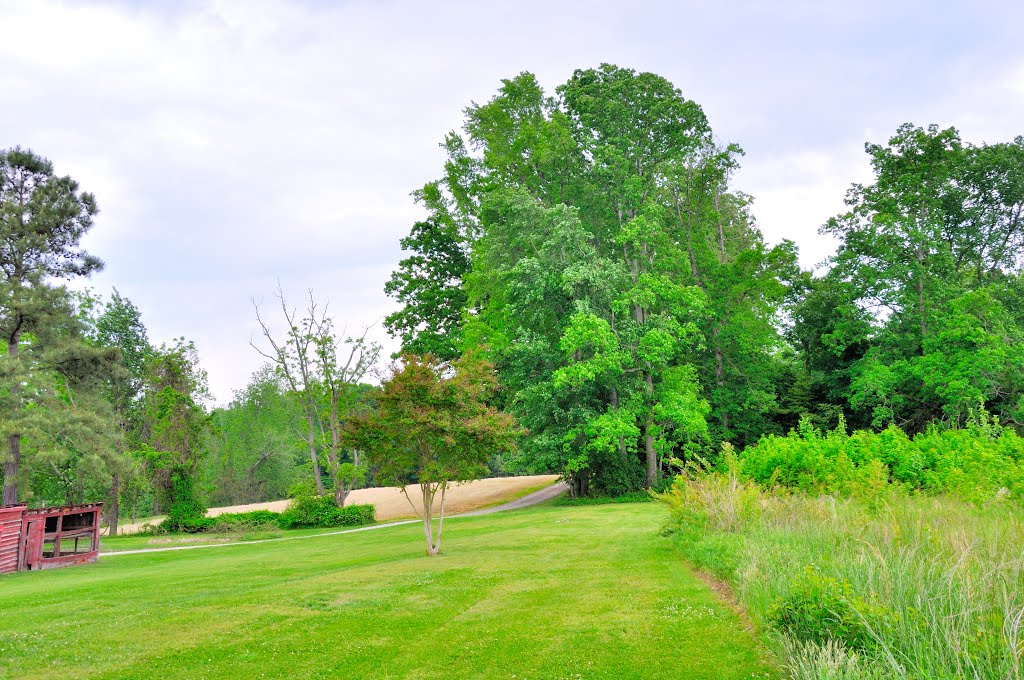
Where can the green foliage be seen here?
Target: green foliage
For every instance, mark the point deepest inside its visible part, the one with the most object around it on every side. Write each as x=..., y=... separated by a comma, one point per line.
x=432, y=423
x=633, y=497
x=251, y=518
x=52, y=412
x=821, y=609
x=979, y=463
x=175, y=422
x=633, y=309
x=191, y=525
x=237, y=522
x=322, y=511
x=254, y=453
x=185, y=508
x=322, y=370
x=432, y=426
x=429, y=282
x=934, y=241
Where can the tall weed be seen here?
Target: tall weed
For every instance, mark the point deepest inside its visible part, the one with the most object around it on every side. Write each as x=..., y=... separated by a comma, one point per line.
x=871, y=579
x=877, y=582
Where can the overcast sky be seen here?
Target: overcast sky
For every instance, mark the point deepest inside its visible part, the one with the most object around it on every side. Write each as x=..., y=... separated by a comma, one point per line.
x=234, y=143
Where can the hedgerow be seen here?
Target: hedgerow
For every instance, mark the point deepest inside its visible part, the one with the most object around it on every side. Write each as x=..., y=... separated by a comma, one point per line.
x=978, y=463
x=321, y=511
x=303, y=512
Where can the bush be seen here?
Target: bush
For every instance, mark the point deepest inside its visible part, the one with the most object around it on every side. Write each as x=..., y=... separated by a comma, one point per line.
x=321, y=511
x=979, y=463
x=823, y=609
x=304, y=511
x=186, y=510
x=194, y=525
x=252, y=518
x=632, y=497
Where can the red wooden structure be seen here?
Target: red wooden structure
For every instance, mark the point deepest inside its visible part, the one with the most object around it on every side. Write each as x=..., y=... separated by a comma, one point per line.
x=10, y=537
x=48, y=537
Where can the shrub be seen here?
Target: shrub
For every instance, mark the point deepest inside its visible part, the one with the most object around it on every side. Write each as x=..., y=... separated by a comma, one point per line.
x=979, y=463
x=321, y=511
x=185, y=506
x=252, y=518
x=822, y=609
x=720, y=499
x=194, y=525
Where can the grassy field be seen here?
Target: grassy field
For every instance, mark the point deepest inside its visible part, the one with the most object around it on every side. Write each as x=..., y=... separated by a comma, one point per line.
x=891, y=586
x=149, y=542
x=549, y=592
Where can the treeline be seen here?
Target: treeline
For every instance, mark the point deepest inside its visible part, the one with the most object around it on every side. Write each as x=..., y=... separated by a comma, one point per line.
x=591, y=242
x=91, y=410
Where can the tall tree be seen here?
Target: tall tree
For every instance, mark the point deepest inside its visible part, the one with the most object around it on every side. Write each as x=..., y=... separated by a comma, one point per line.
x=428, y=283
x=42, y=220
x=294, y=357
x=119, y=325
x=342, y=362
x=255, y=456
x=932, y=249
x=175, y=422
x=323, y=370
x=615, y=279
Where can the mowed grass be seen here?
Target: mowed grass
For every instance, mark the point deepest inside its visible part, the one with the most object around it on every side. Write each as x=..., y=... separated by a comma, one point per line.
x=549, y=592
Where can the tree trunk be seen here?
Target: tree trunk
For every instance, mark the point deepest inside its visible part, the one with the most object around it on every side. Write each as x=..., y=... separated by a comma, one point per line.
x=428, y=511
x=649, y=452
x=652, y=457
x=13, y=461
x=720, y=373
x=921, y=309
x=312, y=454
x=11, y=469
x=615, y=407
x=440, y=519
x=340, y=493
x=114, y=508
x=339, y=489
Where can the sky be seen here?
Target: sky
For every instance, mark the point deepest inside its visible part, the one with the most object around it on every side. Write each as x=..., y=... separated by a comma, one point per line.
x=235, y=144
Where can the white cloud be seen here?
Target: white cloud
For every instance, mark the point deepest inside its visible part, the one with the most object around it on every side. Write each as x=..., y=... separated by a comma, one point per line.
x=231, y=143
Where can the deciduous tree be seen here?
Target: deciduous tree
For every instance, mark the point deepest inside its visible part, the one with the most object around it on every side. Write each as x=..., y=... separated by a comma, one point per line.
x=431, y=426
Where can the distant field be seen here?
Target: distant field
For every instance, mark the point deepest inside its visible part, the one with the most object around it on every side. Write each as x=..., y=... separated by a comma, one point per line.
x=391, y=504
x=547, y=592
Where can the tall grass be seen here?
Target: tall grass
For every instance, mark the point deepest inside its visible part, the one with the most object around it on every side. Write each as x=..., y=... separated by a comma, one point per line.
x=890, y=585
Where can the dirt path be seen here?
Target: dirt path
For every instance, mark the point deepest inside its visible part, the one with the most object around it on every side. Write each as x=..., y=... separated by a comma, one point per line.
x=534, y=498
x=553, y=491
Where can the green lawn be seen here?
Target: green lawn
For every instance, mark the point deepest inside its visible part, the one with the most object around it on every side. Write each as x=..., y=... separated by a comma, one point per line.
x=549, y=592
x=148, y=542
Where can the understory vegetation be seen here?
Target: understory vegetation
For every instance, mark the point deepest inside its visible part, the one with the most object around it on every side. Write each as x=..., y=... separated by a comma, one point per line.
x=305, y=512
x=869, y=555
